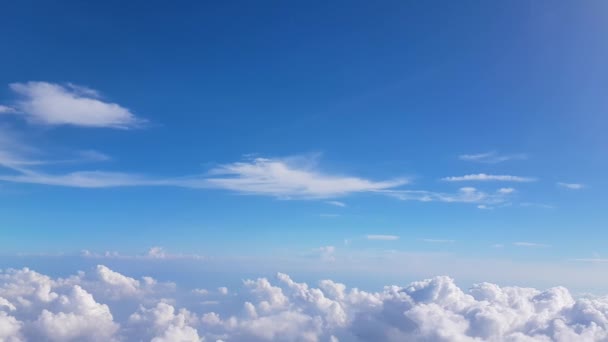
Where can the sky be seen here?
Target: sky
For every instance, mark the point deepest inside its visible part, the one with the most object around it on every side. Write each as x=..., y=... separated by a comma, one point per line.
x=370, y=143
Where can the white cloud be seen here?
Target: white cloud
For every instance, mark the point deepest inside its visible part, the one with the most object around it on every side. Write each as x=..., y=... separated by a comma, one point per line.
x=326, y=253
x=486, y=177
x=506, y=190
x=382, y=237
x=438, y=240
x=491, y=157
x=7, y=109
x=284, y=178
x=336, y=203
x=280, y=309
x=529, y=244
x=571, y=186
x=53, y=104
x=464, y=195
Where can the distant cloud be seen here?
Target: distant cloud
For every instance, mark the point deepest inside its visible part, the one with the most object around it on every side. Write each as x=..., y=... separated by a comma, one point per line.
x=326, y=253
x=592, y=260
x=53, y=104
x=336, y=203
x=491, y=157
x=536, y=205
x=437, y=240
x=464, y=195
x=529, y=244
x=382, y=237
x=571, y=186
x=486, y=177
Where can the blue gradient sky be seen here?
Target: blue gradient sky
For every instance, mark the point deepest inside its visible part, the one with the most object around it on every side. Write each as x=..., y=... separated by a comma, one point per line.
x=401, y=90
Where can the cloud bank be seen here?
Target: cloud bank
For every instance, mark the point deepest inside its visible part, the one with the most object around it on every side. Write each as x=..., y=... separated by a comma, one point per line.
x=104, y=305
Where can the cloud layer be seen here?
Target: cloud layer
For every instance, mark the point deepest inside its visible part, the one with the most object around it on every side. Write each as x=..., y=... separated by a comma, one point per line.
x=104, y=305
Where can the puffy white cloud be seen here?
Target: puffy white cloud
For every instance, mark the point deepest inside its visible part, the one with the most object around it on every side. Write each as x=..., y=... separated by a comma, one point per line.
x=54, y=104
x=486, y=177
x=35, y=307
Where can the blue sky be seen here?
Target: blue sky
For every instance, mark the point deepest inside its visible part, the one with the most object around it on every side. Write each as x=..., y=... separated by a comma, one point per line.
x=308, y=133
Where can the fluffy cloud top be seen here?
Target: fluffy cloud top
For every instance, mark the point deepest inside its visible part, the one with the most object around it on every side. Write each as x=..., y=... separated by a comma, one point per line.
x=35, y=307
x=54, y=104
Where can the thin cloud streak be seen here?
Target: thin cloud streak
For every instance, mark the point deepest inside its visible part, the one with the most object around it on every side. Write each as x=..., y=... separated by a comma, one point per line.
x=482, y=177
x=382, y=237
x=571, y=186
x=491, y=157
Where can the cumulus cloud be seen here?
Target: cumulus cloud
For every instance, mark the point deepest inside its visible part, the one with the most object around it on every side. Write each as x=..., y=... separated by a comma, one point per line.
x=485, y=177
x=382, y=237
x=571, y=186
x=53, y=104
x=491, y=157
x=36, y=307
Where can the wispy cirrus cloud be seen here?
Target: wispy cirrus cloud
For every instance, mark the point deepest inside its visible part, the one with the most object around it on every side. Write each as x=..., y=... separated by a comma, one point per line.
x=571, y=186
x=530, y=244
x=438, y=240
x=7, y=109
x=54, y=104
x=290, y=178
x=382, y=237
x=492, y=157
x=482, y=177
x=463, y=195
x=336, y=203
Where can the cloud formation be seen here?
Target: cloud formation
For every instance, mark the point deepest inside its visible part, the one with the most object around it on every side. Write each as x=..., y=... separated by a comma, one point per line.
x=382, y=237
x=485, y=177
x=36, y=307
x=53, y=104
x=289, y=178
x=571, y=186
x=491, y=157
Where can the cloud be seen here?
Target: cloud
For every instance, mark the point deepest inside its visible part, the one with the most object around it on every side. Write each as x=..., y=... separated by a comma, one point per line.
x=437, y=240
x=382, y=237
x=464, y=195
x=529, y=244
x=571, y=186
x=281, y=309
x=280, y=178
x=326, y=253
x=53, y=104
x=491, y=157
x=336, y=203
x=485, y=177
x=7, y=109
x=290, y=178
